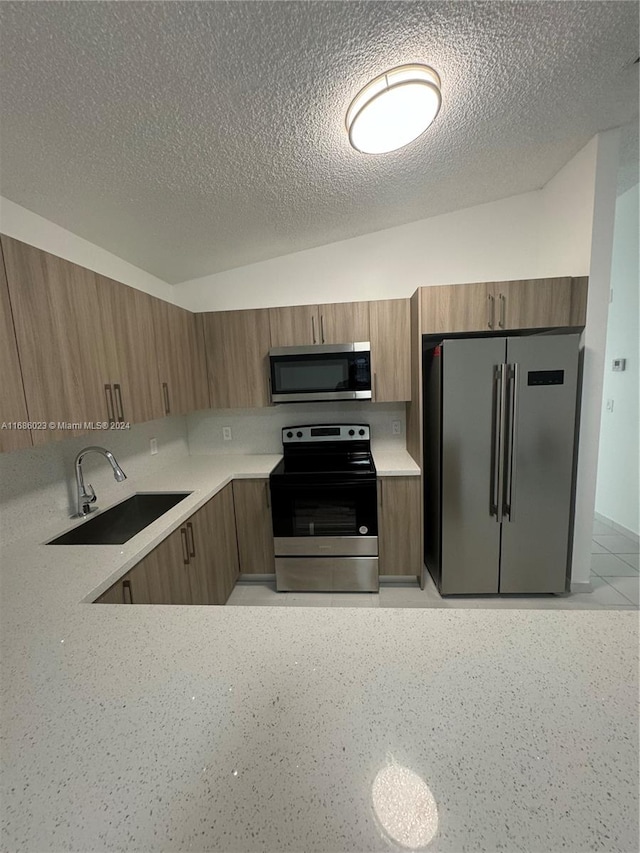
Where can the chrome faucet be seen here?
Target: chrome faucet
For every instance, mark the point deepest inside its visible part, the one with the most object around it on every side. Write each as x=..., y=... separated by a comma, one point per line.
x=85, y=498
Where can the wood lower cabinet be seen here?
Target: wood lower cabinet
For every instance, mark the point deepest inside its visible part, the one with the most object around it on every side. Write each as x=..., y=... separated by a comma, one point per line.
x=133, y=588
x=390, y=335
x=196, y=564
x=252, y=502
x=399, y=526
x=13, y=406
x=237, y=348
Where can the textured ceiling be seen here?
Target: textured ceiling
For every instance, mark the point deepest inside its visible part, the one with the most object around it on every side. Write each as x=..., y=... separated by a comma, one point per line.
x=190, y=138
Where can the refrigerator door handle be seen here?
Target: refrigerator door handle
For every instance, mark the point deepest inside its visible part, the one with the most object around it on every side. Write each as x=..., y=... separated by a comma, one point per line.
x=510, y=448
x=497, y=449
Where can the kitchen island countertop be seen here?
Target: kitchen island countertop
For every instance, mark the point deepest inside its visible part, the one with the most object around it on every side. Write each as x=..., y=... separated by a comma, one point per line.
x=267, y=729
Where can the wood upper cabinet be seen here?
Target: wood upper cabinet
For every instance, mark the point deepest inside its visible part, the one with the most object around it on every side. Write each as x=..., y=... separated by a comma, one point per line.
x=390, y=325
x=179, y=354
x=399, y=526
x=60, y=339
x=344, y=322
x=532, y=304
x=237, y=348
x=13, y=406
x=252, y=502
x=127, y=319
x=457, y=308
x=332, y=323
x=198, y=355
x=502, y=306
x=298, y=325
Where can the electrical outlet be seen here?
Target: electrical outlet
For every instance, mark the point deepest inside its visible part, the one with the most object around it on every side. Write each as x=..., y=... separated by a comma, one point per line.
x=609, y=405
x=153, y=446
x=396, y=427
x=226, y=433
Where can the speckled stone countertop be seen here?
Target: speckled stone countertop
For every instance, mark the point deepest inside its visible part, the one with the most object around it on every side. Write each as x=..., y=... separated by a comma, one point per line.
x=293, y=729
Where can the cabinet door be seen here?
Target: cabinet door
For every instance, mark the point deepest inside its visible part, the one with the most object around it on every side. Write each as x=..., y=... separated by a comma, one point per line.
x=252, y=504
x=174, y=347
x=131, y=589
x=533, y=304
x=60, y=339
x=237, y=347
x=223, y=547
x=201, y=540
x=295, y=326
x=457, y=308
x=167, y=570
x=399, y=526
x=391, y=349
x=199, y=380
x=133, y=367
x=13, y=406
x=344, y=322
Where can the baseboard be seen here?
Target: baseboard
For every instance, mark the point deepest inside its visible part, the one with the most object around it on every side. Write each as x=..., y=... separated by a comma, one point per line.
x=619, y=528
x=581, y=587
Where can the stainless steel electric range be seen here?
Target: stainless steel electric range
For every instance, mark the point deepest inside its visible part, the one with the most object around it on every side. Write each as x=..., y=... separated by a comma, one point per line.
x=324, y=509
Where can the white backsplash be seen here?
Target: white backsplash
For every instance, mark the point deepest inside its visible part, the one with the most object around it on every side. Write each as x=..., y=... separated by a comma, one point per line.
x=38, y=485
x=260, y=430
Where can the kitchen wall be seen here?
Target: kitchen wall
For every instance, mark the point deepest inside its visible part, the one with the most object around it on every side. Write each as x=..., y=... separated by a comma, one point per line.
x=259, y=430
x=542, y=233
x=22, y=224
x=38, y=484
x=617, y=486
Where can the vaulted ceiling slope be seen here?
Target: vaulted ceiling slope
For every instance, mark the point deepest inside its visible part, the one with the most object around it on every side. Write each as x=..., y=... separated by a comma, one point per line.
x=190, y=138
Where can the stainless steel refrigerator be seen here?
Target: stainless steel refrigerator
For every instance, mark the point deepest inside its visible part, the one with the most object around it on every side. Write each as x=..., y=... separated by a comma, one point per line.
x=499, y=446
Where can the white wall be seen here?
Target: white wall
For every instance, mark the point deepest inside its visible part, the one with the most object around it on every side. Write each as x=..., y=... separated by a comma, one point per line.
x=259, y=430
x=536, y=234
x=617, y=486
x=607, y=146
x=23, y=224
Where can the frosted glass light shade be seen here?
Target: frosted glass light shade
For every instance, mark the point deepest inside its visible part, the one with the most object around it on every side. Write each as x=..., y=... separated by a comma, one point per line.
x=394, y=109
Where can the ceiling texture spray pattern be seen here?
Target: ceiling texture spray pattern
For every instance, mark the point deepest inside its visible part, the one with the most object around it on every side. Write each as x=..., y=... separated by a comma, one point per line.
x=190, y=138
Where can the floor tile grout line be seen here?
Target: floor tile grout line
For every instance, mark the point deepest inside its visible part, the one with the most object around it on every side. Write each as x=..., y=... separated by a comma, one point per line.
x=617, y=590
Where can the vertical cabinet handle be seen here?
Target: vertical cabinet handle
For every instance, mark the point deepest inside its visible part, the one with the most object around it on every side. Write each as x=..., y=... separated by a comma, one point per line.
x=118, y=394
x=490, y=310
x=313, y=328
x=165, y=392
x=126, y=588
x=267, y=494
x=503, y=310
x=374, y=385
x=110, y=410
x=185, y=546
x=192, y=547
x=322, y=328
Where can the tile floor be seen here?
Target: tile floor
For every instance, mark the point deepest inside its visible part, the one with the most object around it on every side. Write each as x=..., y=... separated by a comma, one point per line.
x=614, y=577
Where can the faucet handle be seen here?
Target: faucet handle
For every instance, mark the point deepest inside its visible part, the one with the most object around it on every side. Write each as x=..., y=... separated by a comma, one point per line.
x=89, y=494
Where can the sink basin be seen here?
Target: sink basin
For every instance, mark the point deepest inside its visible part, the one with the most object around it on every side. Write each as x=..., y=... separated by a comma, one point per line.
x=118, y=524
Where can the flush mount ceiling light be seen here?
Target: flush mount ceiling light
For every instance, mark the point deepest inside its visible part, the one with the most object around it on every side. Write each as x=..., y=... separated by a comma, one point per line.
x=394, y=109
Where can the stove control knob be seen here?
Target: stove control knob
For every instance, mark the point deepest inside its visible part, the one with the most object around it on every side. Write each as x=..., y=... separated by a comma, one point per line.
x=299, y=434
x=361, y=432
x=352, y=432
x=289, y=434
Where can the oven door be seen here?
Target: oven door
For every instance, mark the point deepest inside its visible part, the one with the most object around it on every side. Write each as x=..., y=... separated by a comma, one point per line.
x=335, y=372
x=325, y=519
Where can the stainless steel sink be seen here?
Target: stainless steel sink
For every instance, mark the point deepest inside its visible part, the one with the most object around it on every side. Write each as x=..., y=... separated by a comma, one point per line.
x=118, y=524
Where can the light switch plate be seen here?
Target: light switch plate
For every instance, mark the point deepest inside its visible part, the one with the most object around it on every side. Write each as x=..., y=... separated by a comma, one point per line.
x=619, y=364
x=396, y=427
x=153, y=446
x=226, y=433
x=609, y=405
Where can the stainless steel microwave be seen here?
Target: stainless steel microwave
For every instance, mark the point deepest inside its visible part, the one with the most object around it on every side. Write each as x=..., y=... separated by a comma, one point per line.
x=321, y=372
